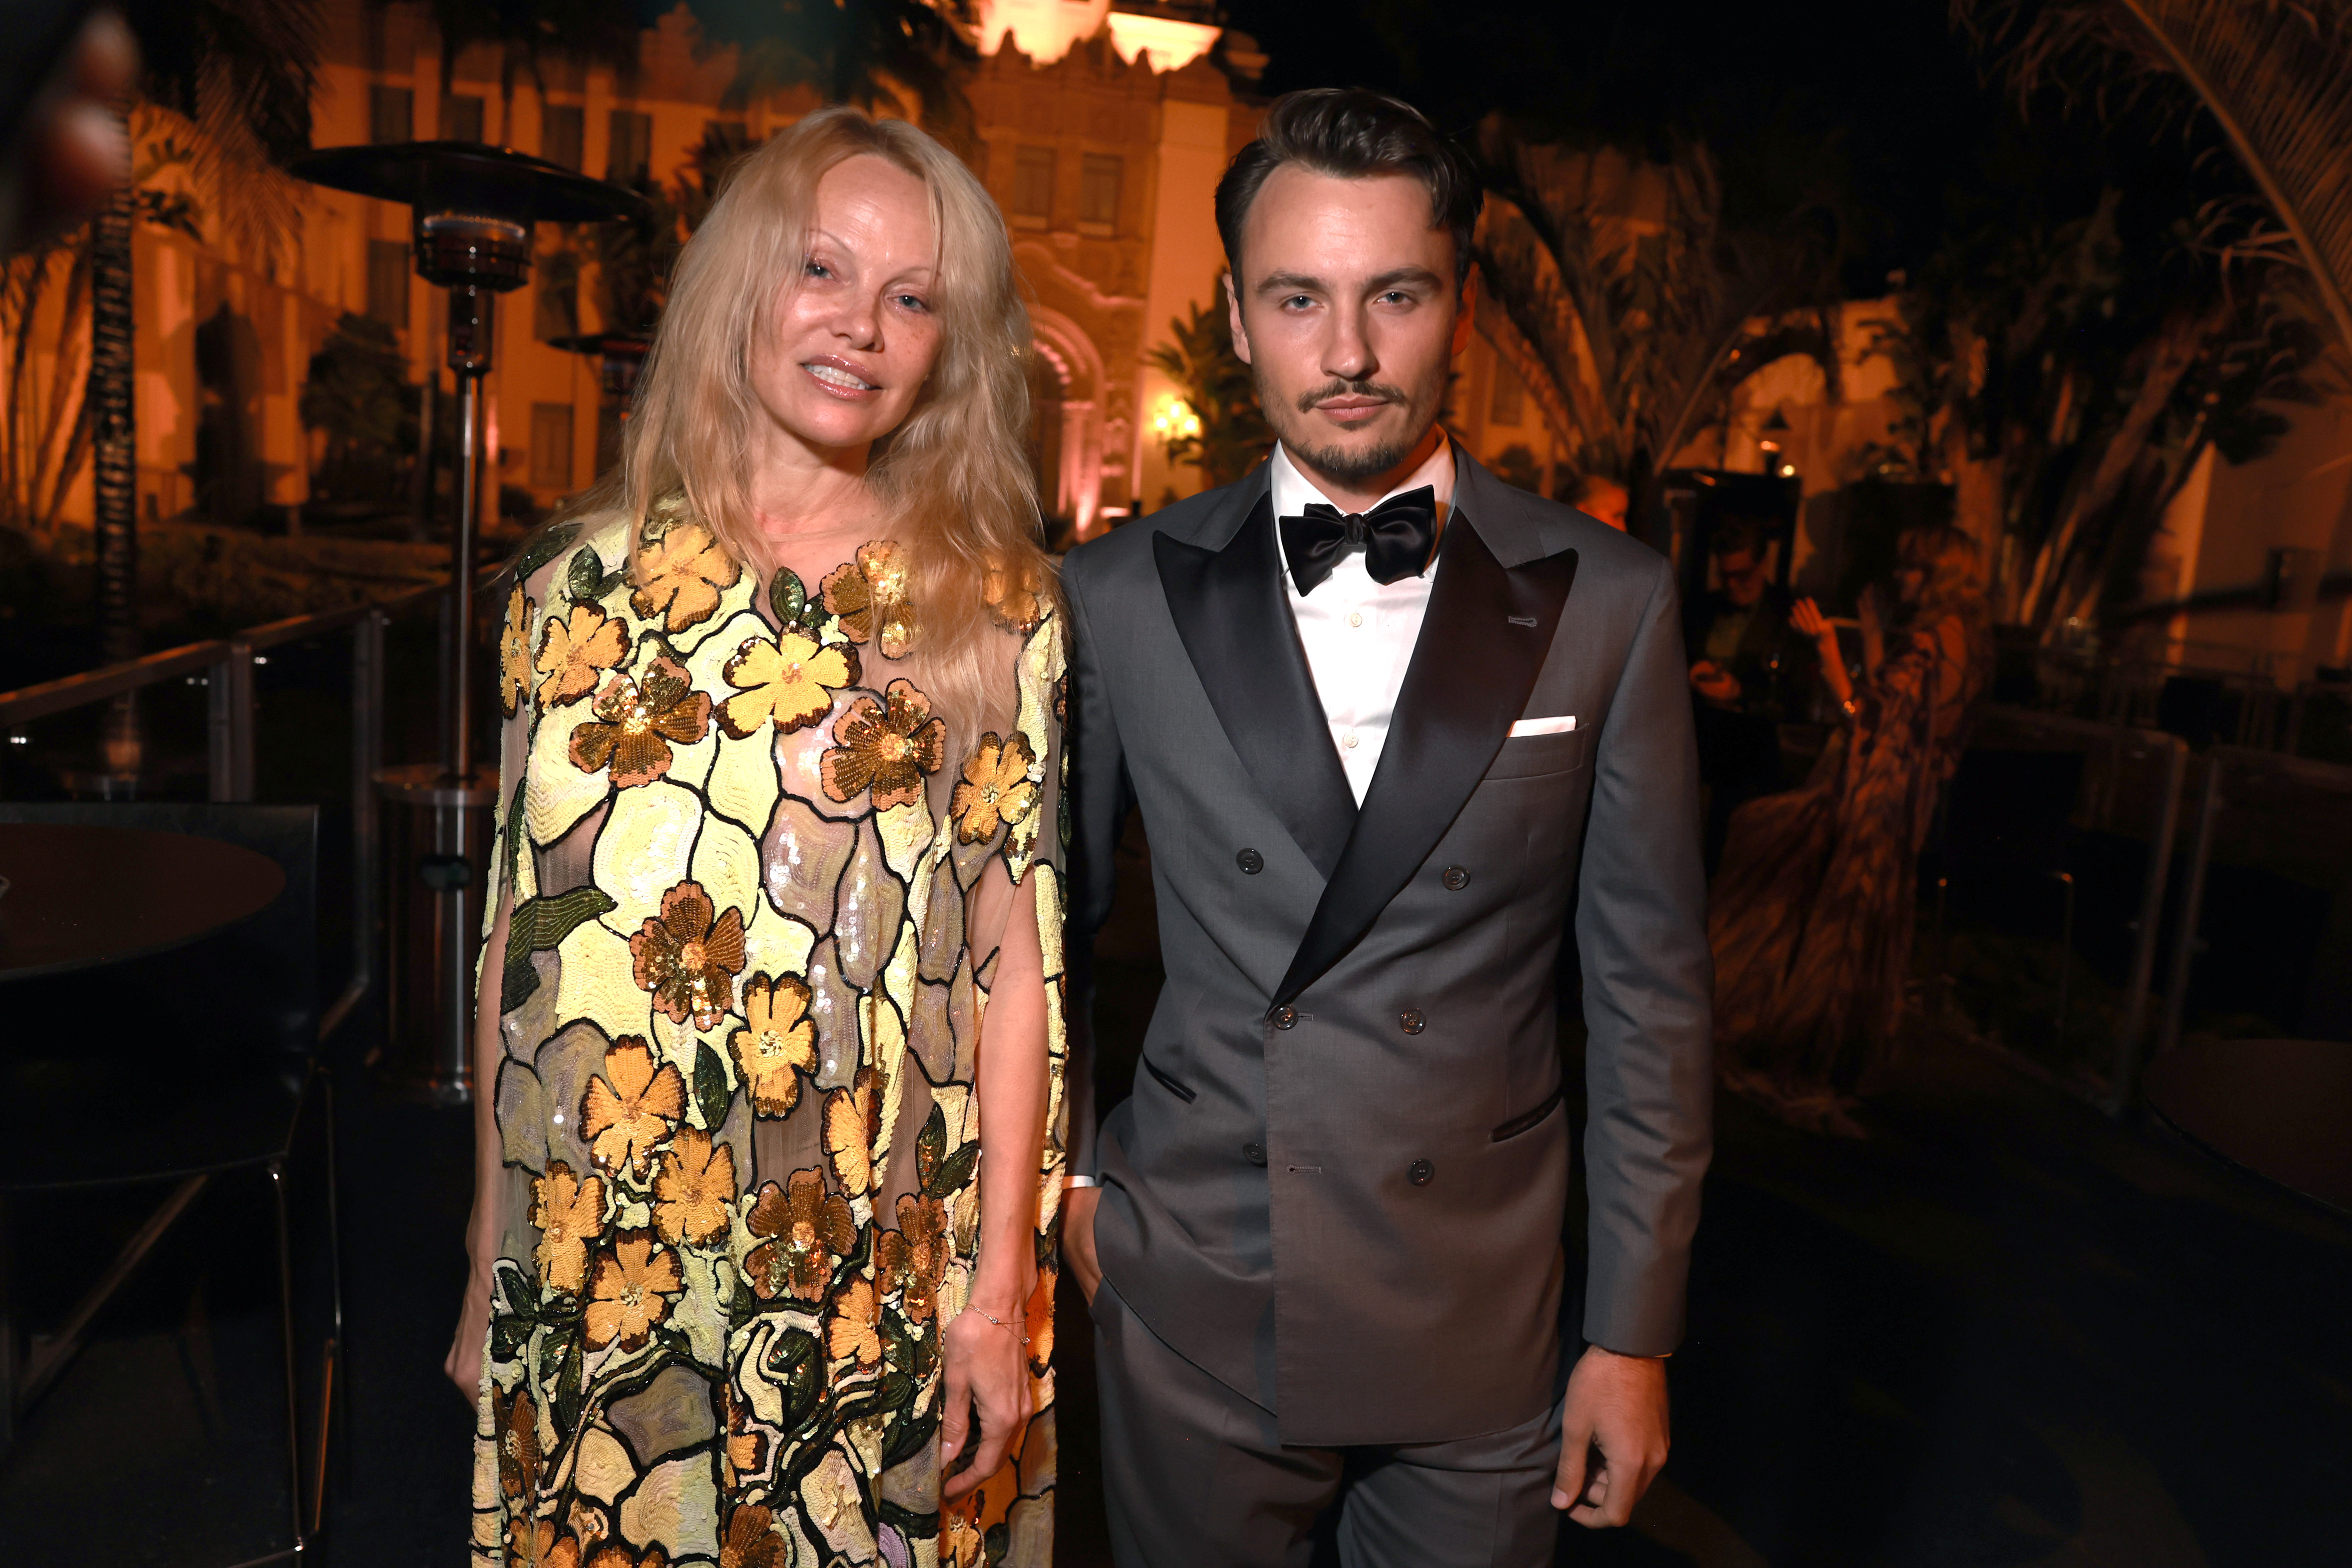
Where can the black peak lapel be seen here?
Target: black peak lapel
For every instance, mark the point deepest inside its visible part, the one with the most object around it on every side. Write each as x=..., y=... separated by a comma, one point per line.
x=1230, y=610
x=1483, y=642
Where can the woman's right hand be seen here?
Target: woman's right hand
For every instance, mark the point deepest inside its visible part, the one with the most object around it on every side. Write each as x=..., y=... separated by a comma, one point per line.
x=464, y=1363
x=1807, y=618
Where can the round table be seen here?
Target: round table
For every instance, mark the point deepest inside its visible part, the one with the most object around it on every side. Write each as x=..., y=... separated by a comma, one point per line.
x=82, y=894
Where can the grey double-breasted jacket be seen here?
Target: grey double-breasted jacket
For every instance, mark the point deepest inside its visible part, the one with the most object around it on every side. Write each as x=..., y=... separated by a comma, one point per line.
x=1340, y=1182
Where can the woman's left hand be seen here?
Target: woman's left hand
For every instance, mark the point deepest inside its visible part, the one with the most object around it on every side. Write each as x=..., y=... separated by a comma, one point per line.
x=987, y=1368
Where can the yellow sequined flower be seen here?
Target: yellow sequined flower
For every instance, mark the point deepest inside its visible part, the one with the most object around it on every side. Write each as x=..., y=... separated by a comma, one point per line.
x=996, y=790
x=853, y=1122
x=886, y=747
x=854, y=1332
x=575, y=650
x=806, y=1230
x=569, y=1214
x=869, y=597
x=790, y=681
x=514, y=652
x=681, y=572
x=776, y=1044
x=631, y=1106
x=631, y=1291
x=694, y=1189
x=688, y=960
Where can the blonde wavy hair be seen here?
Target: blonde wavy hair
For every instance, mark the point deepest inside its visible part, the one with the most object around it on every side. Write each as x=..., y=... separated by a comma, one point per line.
x=954, y=476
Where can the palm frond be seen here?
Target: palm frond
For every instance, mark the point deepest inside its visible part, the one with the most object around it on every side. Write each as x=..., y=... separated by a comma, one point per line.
x=2276, y=75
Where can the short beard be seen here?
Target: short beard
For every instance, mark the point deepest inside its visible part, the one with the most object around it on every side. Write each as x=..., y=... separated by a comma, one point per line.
x=1353, y=466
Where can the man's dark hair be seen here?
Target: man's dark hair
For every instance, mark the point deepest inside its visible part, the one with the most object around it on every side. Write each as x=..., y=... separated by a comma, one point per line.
x=1736, y=536
x=1353, y=133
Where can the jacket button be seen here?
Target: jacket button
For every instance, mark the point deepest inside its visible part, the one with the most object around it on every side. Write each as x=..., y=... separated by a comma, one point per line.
x=1421, y=1173
x=1254, y=1152
x=1412, y=1022
x=1283, y=1017
x=1251, y=862
x=1456, y=879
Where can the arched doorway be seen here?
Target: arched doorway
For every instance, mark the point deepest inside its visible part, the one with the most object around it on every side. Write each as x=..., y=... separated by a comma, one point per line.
x=1046, y=386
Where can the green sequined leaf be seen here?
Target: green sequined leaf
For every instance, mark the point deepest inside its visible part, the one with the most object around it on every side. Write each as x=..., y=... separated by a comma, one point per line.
x=710, y=1091
x=799, y=1372
x=537, y=552
x=787, y=597
x=567, y=1391
x=539, y=923
x=508, y=1335
x=953, y=1171
x=584, y=576
x=930, y=1143
x=743, y=1305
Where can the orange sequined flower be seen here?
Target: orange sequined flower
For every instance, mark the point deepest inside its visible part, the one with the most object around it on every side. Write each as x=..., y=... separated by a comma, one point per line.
x=887, y=747
x=853, y=1123
x=621, y=1557
x=807, y=1229
x=912, y=1257
x=751, y=1539
x=631, y=1291
x=537, y=1543
x=569, y=1214
x=776, y=1044
x=514, y=652
x=636, y=722
x=681, y=572
x=995, y=790
x=745, y=1451
x=688, y=960
x=789, y=682
x=632, y=1107
x=515, y=1421
x=575, y=650
x=854, y=1331
x=869, y=597
x=694, y=1189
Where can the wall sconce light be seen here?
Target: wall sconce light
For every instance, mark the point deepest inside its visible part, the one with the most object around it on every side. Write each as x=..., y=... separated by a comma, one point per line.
x=1173, y=419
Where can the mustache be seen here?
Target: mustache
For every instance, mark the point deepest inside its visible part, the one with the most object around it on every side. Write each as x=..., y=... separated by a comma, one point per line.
x=1308, y=400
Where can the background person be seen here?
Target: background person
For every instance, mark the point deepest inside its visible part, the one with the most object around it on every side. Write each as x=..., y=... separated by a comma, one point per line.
x=1813, y=912
x=1748, y=672
x=1386, y=717
x=758, y=1204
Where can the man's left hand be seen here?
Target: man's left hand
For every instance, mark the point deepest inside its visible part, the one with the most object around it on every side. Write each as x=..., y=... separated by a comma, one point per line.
x=1616, y=1405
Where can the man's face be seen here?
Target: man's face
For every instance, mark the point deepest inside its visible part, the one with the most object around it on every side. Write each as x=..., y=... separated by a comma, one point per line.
x=1347, y=316
x=1743, y=576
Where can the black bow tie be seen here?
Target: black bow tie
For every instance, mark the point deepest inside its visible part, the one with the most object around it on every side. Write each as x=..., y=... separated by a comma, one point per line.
x=1396, y=536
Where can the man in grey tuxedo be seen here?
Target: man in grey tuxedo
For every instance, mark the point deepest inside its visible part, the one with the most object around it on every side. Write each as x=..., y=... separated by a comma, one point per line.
x=1394, y=727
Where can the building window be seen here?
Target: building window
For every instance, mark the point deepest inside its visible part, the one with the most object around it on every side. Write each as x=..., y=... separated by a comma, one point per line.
x=392, y=115
x=1098, y=192
x=550, y=446
x=632, y=155
x=561, y=131
x=557, y=303
x=461, y=117
x=388, y=283
x=1032, y=184
x=1508, y=402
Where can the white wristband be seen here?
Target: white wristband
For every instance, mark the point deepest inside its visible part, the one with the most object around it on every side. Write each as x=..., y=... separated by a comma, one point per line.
x=1070, y=1182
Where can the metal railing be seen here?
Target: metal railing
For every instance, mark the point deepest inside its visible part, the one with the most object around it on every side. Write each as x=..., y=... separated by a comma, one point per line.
x=225, y=666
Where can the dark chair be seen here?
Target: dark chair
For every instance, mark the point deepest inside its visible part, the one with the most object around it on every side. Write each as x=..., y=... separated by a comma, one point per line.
x=2004, y=836
x=208, y=1069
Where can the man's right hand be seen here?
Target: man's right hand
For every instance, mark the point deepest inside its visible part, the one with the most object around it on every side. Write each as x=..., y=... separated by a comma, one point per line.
x=1715, y=683
x=1078, y=1238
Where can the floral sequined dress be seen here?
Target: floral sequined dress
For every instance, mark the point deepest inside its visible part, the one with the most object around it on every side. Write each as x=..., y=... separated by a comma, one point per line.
x=760, y=886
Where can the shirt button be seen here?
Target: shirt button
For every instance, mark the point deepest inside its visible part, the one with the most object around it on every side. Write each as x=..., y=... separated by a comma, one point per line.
x=1421, y=1173
x=1355, y=618
x=1456, y=879
x=1251, y=862
x=1411, y=1021
x=1254, y=1152
x=1348, y=741
x=1283, y=1017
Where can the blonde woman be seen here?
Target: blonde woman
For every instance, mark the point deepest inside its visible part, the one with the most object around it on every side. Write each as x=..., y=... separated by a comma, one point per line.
x=760, y=1199
x=1810, y=915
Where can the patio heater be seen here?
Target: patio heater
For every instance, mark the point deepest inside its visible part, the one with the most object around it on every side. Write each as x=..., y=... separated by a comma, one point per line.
x=471, y=210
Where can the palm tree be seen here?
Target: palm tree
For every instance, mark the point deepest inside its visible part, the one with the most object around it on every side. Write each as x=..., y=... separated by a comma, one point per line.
x=1200, y=359
x=2274, y=75
x=1630, y=334
x=903, y=53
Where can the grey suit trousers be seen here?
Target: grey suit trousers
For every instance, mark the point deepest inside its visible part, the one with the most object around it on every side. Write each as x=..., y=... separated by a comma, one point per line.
x=1197, y=1477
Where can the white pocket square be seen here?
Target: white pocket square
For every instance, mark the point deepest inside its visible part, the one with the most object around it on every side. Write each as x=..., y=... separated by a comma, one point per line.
x=1560, y=725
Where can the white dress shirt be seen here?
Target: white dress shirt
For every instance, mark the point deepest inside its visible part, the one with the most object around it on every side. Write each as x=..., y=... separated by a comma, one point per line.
x=1358, y=634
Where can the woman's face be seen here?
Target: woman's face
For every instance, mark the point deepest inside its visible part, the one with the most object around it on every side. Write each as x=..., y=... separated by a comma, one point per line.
x=1910, y=582
x=853, y=335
